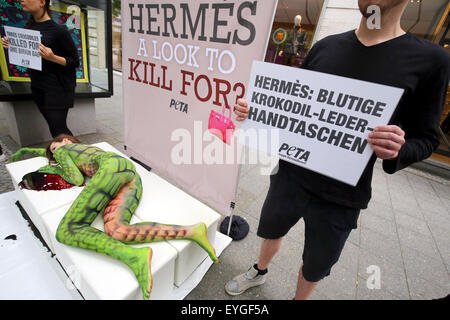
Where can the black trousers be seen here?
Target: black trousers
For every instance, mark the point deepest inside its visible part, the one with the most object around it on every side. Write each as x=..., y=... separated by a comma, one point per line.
x=327, y=225
x=52, y=104
x=56, y=120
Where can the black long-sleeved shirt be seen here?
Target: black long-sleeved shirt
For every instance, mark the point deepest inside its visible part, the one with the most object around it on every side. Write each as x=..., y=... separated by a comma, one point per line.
x=418, y=66
x=58, y=38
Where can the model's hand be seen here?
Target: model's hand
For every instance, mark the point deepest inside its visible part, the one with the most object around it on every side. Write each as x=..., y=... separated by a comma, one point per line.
x=16, y=156
x=241, y=110
x=49, y=169
x=5, y=42
x=387, y=141
x=46, y=52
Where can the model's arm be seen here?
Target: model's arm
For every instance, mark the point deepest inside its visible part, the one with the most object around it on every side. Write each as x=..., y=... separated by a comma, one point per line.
x=67, y=169
x=33, y=151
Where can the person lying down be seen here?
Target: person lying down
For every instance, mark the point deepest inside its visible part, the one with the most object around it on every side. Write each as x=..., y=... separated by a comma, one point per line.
x=114, y=190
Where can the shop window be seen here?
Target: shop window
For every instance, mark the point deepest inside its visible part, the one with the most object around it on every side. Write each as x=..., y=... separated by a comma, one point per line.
x=116, y=35
x=430, y=20
x=293, y=31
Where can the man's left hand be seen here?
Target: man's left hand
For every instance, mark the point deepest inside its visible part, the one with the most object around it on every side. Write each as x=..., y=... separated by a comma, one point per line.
x=387, y=141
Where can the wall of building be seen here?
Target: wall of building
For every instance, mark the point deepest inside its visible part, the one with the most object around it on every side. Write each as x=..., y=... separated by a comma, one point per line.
x=337, y=16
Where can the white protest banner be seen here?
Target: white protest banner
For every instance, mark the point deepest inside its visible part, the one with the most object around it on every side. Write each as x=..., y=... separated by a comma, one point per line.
x=323, y=120
x=183, y=62
x=23, y=47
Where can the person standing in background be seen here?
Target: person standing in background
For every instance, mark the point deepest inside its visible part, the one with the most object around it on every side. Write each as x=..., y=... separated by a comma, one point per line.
x=53, y=88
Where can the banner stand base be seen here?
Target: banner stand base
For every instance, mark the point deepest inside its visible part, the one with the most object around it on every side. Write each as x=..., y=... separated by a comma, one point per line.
x=235, y=227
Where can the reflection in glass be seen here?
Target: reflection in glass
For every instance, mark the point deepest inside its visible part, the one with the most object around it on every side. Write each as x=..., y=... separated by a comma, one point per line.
x=293, y=31
x=430, y=20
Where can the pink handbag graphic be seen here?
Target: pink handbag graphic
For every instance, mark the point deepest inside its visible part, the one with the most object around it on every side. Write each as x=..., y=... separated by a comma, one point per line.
x=221, y=125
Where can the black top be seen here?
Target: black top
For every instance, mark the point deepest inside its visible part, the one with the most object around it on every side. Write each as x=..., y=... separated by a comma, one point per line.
x=418, y=66
x=59, y=81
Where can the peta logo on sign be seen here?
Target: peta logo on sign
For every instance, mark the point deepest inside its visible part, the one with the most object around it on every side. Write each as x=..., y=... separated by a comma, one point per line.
x=294, y=153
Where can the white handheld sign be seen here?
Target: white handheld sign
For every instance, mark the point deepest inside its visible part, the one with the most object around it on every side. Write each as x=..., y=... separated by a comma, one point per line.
x=24, y=47
x=323, y=120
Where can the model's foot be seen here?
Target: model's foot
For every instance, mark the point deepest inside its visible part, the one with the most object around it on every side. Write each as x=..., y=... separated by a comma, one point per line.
x=200, y=236
x=245, y=281
x=143, y=273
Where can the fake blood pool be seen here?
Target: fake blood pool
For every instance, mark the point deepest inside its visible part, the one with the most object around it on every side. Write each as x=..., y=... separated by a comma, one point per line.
x=39, y=181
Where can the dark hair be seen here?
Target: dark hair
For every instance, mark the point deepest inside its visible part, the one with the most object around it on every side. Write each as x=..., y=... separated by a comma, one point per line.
x=46, y=10
x=59, y=138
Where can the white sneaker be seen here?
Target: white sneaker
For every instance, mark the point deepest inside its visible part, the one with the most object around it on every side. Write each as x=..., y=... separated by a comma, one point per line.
x=2, y=155
x=245, y=281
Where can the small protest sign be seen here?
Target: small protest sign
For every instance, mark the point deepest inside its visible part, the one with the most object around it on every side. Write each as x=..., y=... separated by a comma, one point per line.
x=24, y=47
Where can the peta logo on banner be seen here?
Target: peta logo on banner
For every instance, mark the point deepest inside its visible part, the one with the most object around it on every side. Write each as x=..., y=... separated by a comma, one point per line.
x=179, y=105
x=294, y=153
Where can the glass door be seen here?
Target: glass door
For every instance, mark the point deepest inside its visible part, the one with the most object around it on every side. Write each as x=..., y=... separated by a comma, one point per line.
x=430, y=20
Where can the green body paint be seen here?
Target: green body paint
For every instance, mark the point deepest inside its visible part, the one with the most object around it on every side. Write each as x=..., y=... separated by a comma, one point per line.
x=115, y=189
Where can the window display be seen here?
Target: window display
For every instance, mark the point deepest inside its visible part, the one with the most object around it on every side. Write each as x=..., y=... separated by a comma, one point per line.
x=293, y=31
x=430, y=20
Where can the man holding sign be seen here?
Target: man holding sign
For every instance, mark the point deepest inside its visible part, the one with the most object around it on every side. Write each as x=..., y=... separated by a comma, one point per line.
x=386, y=56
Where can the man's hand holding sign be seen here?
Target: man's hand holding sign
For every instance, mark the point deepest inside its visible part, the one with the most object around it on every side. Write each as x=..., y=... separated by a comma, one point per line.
x=241, y=109
x=386, y=141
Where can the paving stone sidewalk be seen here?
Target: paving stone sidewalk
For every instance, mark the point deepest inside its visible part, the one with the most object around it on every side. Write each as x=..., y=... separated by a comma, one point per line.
x=404, y=234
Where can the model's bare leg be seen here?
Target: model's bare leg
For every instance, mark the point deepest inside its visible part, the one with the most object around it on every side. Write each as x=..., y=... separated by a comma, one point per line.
x=269, y=248
x=117, y=217
x=304, y=287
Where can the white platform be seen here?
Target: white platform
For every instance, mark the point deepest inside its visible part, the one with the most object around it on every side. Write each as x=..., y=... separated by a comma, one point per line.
x=165, y=203
x=161, y=202
x=28, y=271
x=101, y=277
x=37, y=203
x=169, y=205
